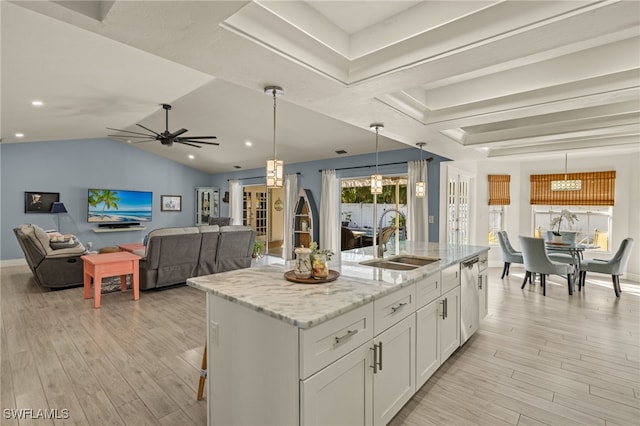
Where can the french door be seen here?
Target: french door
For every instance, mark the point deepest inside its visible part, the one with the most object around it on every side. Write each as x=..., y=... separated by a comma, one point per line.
x=458, y=207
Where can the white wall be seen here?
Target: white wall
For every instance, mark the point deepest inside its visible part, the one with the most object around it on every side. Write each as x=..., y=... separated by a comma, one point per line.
x=518, y=220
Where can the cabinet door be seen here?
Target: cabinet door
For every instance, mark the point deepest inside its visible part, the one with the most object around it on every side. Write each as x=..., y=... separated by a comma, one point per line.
x=394, y=380
x=427, y=342
x=483, y=284
x=340, y=394
x=449, y=323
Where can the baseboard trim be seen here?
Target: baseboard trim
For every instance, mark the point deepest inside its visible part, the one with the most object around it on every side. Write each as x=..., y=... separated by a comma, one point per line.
x=13, y=262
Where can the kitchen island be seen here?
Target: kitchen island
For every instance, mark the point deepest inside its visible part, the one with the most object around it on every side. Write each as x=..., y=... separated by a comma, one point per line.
x=352, y=351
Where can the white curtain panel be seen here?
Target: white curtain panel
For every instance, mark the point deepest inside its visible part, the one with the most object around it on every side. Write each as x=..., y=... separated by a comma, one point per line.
x=290, y=200
x=417, y=208
x=235, y=202
x=330, y=212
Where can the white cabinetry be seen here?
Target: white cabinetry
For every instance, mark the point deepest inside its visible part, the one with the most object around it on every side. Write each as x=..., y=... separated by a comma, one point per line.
x=340, y=394
x=449, y=314
x=393, y=372
x=483, y=284
x=427, y=342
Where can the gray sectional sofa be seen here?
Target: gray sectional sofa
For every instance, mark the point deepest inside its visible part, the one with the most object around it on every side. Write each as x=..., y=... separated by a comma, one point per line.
x=174, y=254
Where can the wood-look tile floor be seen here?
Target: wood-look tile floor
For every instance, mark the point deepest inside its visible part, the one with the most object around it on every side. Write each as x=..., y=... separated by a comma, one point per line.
x=555, y=360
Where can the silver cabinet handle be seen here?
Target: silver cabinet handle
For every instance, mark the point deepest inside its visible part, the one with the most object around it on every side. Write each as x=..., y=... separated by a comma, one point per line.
x=480, y=282
x=347, y=335
x=375, y=357
x=444, y=313
x=395, y=308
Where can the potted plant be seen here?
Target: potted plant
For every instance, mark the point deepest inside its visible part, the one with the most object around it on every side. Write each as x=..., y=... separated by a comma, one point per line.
x=346, y=218
x=258, y=250
x=556, y=222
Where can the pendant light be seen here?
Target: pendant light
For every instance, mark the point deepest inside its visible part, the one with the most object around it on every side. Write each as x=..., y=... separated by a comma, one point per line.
x=421, y=187
x=376, y=179
x=566, y=184
x=275, y=167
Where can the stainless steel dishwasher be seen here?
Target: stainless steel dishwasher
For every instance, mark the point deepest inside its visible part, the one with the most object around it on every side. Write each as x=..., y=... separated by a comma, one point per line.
x=469, y=298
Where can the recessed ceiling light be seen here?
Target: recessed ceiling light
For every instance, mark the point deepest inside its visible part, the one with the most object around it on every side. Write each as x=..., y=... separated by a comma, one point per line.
x=341, y=151
x=128, y=140
x=248, y=143
x=191, y=156
x=237, y=167
x=37, y=103
x=19, y=135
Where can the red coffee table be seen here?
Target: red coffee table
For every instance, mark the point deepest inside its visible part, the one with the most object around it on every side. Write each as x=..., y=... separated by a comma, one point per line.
x=97, y=266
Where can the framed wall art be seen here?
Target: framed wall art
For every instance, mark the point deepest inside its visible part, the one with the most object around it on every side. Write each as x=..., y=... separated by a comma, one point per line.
x=40, y=202
x=171, y=203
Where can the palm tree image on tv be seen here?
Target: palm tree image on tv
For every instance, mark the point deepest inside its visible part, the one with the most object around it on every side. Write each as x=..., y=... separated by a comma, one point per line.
x=107, y=205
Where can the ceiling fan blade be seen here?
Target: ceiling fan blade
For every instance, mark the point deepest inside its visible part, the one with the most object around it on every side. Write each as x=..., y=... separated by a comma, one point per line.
x=148, y=140
x=128, y=131
x=132, y=136
x=202, y=137
x=187, y=143
x=177, y=133
x=149, y=130
x=202, y=142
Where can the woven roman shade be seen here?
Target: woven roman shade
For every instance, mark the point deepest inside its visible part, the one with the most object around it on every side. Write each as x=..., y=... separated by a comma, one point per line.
x=598, y=189
x=499, y=194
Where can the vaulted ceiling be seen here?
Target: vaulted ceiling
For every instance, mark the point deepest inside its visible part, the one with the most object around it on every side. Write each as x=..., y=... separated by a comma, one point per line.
x=474, y=79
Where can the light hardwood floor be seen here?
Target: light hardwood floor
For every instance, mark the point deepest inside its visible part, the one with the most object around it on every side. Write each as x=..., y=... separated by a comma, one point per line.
x=555, y=360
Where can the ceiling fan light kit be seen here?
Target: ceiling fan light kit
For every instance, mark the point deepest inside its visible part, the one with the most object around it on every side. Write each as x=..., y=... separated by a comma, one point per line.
x=275, y=167
x=166, y=138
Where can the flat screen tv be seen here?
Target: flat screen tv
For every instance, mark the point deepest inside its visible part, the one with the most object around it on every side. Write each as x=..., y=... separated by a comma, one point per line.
x=118, y=206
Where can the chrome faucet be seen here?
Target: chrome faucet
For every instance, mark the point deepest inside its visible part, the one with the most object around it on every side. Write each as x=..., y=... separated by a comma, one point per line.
x=380, y=245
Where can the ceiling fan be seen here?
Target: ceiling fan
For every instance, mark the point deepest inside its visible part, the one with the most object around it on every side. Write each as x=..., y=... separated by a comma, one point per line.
x=166, y=138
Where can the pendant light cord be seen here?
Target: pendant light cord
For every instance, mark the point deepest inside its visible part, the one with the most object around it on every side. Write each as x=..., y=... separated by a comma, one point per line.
x=377, y=150
x=274, y=124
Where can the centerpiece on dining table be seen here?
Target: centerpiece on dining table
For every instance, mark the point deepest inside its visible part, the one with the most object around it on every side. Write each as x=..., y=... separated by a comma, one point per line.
x=556, y=222
x=312, y=266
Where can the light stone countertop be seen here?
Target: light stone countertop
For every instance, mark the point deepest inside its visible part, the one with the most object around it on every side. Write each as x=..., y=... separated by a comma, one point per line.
x=264, y=288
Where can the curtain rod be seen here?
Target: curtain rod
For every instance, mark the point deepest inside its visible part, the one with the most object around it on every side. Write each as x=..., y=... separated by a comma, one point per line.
x=430, y=159
x=256, y=177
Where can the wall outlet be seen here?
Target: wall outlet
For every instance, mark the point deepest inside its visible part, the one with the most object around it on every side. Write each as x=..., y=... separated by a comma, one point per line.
x=431, y=219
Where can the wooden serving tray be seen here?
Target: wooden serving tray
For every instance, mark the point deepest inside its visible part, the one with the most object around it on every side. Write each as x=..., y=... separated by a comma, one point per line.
x=291, y=276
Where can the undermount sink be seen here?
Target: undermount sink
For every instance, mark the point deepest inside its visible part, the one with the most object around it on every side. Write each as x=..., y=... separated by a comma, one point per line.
x=400, y=263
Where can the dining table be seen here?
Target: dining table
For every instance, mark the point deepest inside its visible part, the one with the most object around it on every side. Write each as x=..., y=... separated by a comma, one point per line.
x=576, y=251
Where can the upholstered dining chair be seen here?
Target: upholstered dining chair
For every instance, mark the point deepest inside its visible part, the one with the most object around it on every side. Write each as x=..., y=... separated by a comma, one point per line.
x=615, y=266
x=509, y=254
x=536, y=261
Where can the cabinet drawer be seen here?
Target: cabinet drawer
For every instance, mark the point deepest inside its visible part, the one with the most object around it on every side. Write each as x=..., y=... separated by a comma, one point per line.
x=393, y=307
x=450, y=277
x=427, y=289
x=325, y=343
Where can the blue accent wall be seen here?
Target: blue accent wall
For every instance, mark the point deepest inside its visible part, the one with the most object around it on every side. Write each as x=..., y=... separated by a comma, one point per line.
x=71, y=167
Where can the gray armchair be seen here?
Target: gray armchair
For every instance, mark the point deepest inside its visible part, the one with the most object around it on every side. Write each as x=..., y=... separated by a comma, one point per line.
x=615, y=266
x=53, y=268
x=536, y=261
x=509, y=254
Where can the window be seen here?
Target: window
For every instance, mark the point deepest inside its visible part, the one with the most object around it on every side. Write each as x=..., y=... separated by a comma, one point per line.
x=499, y=197
x=593, y=224
x=496, y=223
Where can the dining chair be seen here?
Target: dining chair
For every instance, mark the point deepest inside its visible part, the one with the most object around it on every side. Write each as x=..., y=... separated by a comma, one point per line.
x=536, y=261
x=509, y=254
x=615, y=266
x=348, y=240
